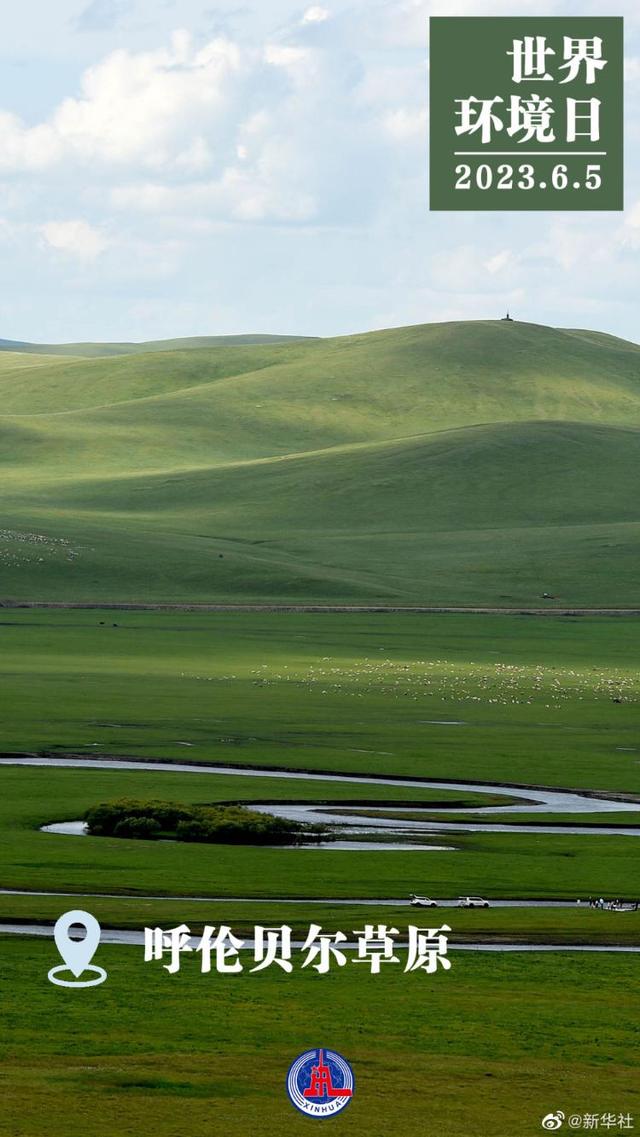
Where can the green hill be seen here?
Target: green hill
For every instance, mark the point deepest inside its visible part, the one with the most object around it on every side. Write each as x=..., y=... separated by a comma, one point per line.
x=92, y=350
x=458, y=463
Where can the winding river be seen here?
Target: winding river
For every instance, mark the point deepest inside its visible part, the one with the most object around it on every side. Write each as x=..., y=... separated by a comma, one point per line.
x=352, y=822
x=525, y=799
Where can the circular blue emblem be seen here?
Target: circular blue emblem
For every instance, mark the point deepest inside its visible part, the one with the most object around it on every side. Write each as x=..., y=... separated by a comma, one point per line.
x=320, y=1083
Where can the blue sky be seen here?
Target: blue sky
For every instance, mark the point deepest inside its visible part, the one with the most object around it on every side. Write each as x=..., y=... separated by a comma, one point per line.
x=186, y=167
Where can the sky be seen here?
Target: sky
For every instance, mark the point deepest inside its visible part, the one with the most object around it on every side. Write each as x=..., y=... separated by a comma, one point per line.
x=185, y=167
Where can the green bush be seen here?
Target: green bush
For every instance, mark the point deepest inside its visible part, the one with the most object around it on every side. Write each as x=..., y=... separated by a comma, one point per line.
x=142, y=828
x=224, y=824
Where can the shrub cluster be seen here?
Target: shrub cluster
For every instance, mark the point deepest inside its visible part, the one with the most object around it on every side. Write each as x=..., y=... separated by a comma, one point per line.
x=224, y=824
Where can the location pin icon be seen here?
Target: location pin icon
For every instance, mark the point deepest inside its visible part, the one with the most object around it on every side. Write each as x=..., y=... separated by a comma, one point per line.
x=77, y=954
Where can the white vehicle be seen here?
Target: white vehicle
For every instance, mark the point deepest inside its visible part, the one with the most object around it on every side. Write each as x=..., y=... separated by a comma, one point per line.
x=472, y=902
x=422, y=901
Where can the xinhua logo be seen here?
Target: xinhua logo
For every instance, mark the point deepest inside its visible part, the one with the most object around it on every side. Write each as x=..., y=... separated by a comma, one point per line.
x=320, y=1083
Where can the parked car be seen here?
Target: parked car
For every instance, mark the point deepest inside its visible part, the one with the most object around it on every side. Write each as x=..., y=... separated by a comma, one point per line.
x=472, y=902
x=422, y=901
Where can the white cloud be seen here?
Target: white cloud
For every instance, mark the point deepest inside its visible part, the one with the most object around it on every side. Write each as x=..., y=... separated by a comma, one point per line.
x=239, y=195
x=629, y=236
x=281, y=55
x=468, y=269
x=499, y=262
x=316, y=15
x=76, y=238
x=406, y=22
x=153, y=109
x=6, y=231
x=575, y=243
x=406, y=124
x=182, y=128
x=300, y=118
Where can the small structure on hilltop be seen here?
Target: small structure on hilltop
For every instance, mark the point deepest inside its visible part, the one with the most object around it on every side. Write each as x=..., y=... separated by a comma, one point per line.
x=507, y=319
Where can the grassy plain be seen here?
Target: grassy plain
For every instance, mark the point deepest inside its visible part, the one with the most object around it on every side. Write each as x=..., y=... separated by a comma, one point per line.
x=488, y=1048
x=547, y=702
x=568, y=926
x=502, y=864
x=486, y=698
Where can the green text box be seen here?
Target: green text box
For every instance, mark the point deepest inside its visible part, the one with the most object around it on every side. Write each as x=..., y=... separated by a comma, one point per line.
x=516, y=153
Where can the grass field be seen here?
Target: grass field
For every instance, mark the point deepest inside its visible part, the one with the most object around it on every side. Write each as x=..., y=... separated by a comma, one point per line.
x=560, y=926
x=479, y=698
x=487, y=1048
x=472, y=463
x=530, y=701
x=501, y=864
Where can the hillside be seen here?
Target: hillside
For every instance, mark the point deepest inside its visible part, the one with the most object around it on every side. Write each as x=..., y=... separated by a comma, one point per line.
x=455, y=463
x=93, y=350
